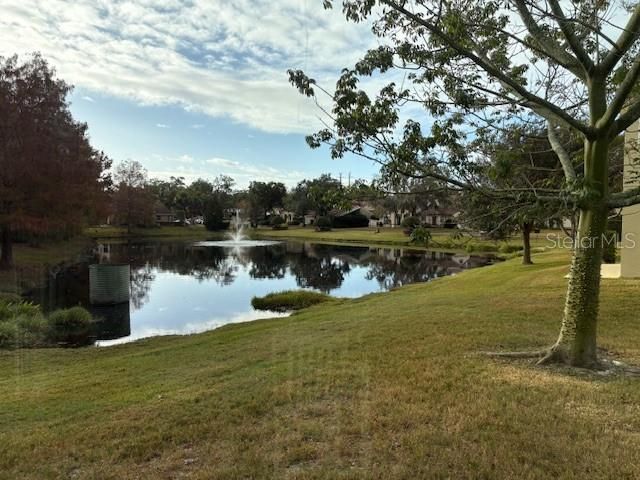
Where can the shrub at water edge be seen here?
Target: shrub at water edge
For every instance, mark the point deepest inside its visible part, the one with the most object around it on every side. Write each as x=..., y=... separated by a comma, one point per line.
x=289, y=300
x=71, y=327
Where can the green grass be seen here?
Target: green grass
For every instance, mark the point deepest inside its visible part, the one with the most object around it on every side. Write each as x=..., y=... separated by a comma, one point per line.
x=194, y=231
x=49, y=252
x=385, y=386
x=30, y=259
x=442, y=238
x=289, y=300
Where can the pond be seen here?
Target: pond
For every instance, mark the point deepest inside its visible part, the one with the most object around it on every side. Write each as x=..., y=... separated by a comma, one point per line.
x=190, y=287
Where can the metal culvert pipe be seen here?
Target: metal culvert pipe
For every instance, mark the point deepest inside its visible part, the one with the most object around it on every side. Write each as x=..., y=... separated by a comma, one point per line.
x=108, y=284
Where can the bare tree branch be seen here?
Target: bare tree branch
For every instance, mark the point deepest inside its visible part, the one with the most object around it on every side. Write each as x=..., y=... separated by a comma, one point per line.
x=621, y=96
x=550, y=47
x=626, y=39
x=542, y=106
x=565, y=159
x=570, y=35
x=624, y=121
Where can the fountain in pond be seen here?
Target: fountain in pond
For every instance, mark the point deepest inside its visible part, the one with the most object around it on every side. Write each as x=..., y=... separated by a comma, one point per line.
x=236, y=237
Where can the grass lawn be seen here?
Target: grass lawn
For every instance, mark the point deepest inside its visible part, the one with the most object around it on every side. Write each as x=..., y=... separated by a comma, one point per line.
x=194, y=231
x=29, y=261
x=386, y=386
x=441, y=237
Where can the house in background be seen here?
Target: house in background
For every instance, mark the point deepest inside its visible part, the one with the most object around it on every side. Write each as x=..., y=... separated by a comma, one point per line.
x=287, y=215
x=166, y=216
x=310, y=218
x=435, y=214
x=357, y=216
x=439, y=215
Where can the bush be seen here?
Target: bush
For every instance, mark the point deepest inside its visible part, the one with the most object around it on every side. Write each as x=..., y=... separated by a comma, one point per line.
x=22, y=325
x=421, y=236
x=33, y=330
x=288, y=300
x=278, y=223
x=356, y=220
x=71, y=327
x=276, y=220
x=9, y=335
x=6, y=297
x=479, y=247
x=506, y=248
x=324, y=224
x=12, y=309
x=609, y=246
x=409, y=224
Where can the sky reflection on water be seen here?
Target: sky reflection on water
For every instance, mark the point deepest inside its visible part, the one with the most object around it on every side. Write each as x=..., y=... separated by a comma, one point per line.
x=185, y=288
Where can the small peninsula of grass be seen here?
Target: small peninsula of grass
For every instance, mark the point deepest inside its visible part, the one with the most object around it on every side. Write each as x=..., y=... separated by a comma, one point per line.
x=387, y=386
x=289, y=300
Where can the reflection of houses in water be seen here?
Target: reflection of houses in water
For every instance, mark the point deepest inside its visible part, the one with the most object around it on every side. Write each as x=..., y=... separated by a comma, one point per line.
x=102, y=252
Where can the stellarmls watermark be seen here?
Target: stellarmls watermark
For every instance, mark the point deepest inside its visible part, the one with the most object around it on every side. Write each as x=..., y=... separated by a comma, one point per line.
x=555, y=240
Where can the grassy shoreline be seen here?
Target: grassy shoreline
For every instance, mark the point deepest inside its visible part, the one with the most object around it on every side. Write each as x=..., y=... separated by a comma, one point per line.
x=441, y=239
x=384, y=386
x=109, y=232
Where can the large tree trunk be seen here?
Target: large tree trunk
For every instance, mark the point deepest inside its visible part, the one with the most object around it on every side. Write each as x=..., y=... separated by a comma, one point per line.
x=6, y=258
x=527, y=227
x=576, y=344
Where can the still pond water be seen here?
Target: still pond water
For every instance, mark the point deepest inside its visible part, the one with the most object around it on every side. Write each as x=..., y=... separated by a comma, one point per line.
x=183, y=288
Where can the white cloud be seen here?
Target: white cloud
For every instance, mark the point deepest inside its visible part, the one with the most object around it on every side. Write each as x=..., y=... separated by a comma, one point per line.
x=242, y=172
x=185, y=159
x=197, y=126
x=162, y=125
x=86, y=98
x=222, y=58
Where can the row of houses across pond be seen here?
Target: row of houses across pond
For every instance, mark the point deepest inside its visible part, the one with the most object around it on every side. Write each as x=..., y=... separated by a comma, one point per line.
x=435, y=215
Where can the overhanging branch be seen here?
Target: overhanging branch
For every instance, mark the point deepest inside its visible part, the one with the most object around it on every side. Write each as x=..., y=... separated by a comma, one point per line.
x=558, y=148
x=624, y=121
x=570, y=35
x=627, y=38
x=544, y=107
x=550, y=47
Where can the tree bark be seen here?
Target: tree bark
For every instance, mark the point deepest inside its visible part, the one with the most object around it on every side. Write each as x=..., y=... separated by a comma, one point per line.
x=6, y=258
x=527, y=227
x=576, y=344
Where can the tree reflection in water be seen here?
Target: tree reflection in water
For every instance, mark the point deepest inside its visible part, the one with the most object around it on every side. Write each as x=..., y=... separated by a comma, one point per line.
x=240, y=273
x=140, y=279
x=317, y=266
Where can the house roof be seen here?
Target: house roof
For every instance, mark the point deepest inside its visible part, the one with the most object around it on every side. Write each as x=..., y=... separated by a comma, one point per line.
x=161, y=209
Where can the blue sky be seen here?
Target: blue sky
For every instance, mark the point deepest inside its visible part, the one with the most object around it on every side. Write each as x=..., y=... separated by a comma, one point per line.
x=195, y=88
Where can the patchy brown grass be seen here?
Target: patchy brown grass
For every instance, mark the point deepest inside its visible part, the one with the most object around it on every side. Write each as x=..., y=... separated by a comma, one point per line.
x=385, y=386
